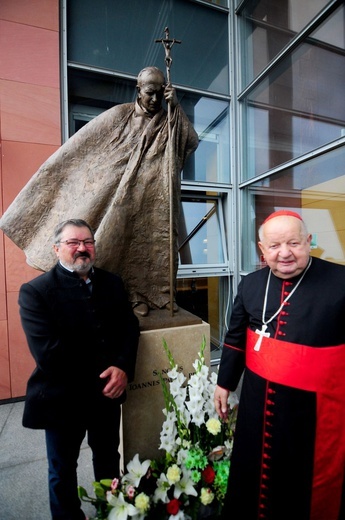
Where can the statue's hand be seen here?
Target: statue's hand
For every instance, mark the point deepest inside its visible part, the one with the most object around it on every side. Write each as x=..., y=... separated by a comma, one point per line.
x=170, y=96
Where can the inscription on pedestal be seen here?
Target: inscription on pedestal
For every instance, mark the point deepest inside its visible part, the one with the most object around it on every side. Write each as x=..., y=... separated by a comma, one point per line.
x=142, y=412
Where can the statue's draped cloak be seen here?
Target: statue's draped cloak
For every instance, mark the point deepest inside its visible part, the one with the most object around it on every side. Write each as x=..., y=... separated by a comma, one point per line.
x=113, y=173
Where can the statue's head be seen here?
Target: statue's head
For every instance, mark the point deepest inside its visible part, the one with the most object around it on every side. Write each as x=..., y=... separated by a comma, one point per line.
x=150, y=87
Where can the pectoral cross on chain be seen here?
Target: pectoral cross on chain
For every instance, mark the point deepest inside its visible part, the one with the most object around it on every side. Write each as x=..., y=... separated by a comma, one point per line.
x=262, y=333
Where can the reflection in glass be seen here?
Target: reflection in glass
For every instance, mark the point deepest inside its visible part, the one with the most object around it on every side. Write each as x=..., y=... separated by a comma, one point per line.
x=223, y=3
x=200, y=237
x=296, y=108
x=122, y=38
x=207, y=298
x=211, y=161
x=268, y=26
x=314, y=189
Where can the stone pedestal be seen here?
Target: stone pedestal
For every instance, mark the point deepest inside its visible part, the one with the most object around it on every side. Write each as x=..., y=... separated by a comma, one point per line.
x=142, y=415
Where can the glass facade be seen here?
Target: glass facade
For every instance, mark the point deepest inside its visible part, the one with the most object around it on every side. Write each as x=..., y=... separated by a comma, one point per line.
x=295, y=108
x=262, y=83
x=268, y=26
x=292, y=121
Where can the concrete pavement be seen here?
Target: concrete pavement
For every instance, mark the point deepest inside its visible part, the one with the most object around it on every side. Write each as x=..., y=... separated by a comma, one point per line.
x=23, y=469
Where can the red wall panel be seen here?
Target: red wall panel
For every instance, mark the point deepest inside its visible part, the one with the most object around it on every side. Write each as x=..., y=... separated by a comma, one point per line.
x=30, y=131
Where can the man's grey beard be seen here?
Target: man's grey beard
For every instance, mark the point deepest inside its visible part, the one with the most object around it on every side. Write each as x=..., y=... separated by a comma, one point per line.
x=80, y=267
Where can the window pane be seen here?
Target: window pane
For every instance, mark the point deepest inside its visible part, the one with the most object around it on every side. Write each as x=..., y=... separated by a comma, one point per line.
x=200, y=236
x=315, y=190
x=120, y=36
x=268, y=26
x=296, y=108
x=211, y=161
x=223, y=3
x=207, y=298
x=90, y=93
x=99, y=90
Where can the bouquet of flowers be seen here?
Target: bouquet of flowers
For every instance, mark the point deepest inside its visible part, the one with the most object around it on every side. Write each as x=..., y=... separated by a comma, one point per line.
x=189, y=482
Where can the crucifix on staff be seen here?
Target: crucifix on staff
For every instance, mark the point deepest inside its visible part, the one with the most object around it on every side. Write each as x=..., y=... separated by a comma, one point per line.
x=168, y=43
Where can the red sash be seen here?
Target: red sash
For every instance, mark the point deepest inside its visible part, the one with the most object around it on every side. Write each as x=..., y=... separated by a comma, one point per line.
x=320, y=370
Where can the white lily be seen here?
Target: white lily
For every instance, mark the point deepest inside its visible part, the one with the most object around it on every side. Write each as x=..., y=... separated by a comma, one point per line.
x=162, y=489
x=121, y=509
x=136, y=470
x=185, y=485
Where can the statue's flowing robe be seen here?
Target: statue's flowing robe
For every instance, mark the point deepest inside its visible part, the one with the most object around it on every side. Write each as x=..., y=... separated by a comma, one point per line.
x=113, y=173
x=288, y=459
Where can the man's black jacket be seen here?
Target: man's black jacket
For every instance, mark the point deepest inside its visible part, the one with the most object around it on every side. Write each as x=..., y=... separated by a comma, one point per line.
x=75, y=331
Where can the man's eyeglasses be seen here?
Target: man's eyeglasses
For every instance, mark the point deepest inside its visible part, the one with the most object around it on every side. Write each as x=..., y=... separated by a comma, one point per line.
x=88, y=242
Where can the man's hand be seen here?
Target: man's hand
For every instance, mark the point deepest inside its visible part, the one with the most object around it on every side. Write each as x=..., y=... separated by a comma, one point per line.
x=170, y=95
x=221, y=401
x=116, y=384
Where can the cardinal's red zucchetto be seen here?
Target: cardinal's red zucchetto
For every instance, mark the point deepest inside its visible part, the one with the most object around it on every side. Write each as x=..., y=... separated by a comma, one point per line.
x=282, y=213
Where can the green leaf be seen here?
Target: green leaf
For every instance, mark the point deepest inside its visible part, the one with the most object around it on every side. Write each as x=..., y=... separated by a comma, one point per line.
x=169, y=354
x=106, y=482
x=82, y=493
x=100, y=490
